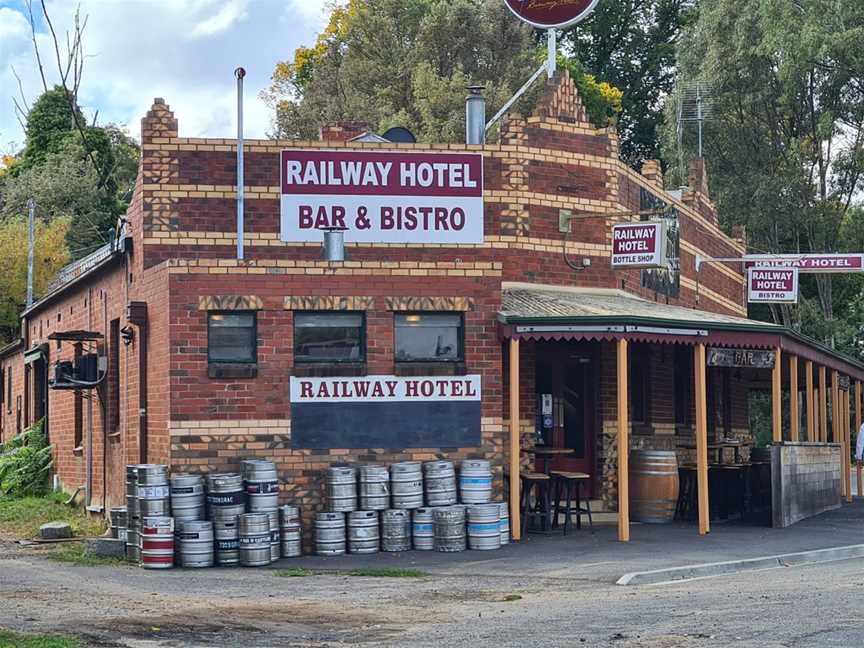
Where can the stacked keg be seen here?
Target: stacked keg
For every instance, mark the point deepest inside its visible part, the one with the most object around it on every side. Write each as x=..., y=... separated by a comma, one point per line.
x=195, y=543
x=330, y=534
x=363, y=532
x=448, y=525
x=504, y=522
x=374, y=487
x=133, y=517
x=292, y=531
x=475, y=481
x=440, y=482
x=422, y=529
x=484, y=526
x=226, y=534
x=187, y=498
x=254, y=531
x=341, y=489
x=157, y=542
x=226, y=498
x=406, y=485
x=118, y=523
x=396, y=530
x=261, y=483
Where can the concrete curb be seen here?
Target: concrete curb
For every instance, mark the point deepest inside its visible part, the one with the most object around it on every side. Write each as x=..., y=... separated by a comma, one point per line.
x=709, y=570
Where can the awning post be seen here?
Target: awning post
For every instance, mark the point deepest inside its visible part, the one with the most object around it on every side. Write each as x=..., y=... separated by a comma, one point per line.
x=701, y=398
x=623, y=444
x=835, y=402
x=776, y=400
x=515, y=513
x=857, y=432
x=823, y=407
x=808, y=385
x=847, y=467
x=793, y=398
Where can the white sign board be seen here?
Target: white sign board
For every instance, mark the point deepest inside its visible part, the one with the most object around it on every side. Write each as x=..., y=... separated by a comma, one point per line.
x=772, y=285
x=639, y=245
x=380, y=197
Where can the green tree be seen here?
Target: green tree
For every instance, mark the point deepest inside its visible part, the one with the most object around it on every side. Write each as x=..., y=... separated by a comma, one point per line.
x=404, y=62
x=51, y=254
x=784, y=149
x=631, y=44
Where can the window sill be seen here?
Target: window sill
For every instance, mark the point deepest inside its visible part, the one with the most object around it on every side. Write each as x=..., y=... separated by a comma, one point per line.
x=78, y=451
x=326, y=370
x=114, y=435
x=228, y=370
x=429, y=369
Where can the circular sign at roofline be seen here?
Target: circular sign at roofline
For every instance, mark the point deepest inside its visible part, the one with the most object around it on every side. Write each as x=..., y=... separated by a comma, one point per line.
x=551, y=14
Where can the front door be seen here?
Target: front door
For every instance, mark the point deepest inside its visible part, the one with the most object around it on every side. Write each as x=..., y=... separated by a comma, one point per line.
x=566, y=386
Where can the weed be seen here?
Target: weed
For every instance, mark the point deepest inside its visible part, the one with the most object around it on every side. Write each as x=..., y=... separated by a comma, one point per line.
x=21, y=517
x=76, y=553
x=16, y=640
x=294, y=572
x=385, y=572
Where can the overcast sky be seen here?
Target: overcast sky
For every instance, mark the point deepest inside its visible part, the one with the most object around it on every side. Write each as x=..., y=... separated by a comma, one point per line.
x=182, y=50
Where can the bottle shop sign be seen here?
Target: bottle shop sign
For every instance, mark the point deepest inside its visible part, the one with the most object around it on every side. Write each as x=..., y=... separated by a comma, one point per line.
x=639, y=245
x=386, y=412
x=772, y=285
x=380, y=197
x=551, y=14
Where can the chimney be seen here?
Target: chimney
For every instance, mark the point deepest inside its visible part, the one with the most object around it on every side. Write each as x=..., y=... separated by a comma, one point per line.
x=475, y=116
x=652, y=172
x=342, y=131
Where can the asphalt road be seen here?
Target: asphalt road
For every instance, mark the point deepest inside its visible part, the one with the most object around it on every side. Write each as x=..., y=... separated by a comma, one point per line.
x=812, y=606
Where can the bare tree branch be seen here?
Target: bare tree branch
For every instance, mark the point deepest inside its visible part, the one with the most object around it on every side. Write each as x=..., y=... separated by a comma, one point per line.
x=35, y=46
x=21, y=90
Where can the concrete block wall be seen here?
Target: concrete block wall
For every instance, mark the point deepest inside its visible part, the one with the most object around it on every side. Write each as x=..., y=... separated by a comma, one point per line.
x=806, y=481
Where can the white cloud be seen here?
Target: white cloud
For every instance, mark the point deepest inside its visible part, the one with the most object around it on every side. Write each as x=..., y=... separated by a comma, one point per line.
x=182, y=50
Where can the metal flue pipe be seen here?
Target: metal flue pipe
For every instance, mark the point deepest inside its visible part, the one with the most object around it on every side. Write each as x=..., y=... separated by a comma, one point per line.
x=475, y=116
x=240, y=73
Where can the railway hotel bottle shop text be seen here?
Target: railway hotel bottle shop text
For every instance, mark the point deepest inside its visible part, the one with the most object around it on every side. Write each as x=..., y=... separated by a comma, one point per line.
x=477, y=314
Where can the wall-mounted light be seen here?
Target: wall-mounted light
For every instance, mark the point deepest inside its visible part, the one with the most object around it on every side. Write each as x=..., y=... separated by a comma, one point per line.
x=334, y=243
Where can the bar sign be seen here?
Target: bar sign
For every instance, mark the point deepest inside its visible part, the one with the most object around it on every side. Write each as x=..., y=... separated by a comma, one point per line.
x=772, y=285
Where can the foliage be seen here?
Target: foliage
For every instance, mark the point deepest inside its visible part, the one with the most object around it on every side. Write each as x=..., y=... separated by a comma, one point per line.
x=76, y=553
x=21, y=517
x=630, y=44
x=9, y=639
x=294, y=572
x=50, y=254
x=25, y=463
x=603, y=102
x=784, y=149
x=49, y=123
x=406, y=63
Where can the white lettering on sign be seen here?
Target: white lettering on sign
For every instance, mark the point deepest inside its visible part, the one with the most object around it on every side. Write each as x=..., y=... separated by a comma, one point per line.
x=639, y=245
x=808, y=263
x=774, y=285
x=380, y=197
x=378, y=389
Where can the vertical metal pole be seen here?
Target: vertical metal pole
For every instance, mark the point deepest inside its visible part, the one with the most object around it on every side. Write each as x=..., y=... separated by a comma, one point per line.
x=623, y=444
x=700, y=379
x=552, y=47
x=240, y=73
x=515, y=513
x=31, y=244
x=794, y=422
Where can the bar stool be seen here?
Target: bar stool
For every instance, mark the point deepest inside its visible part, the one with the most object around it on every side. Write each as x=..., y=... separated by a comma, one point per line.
x=536, y=514
x=687, y=497
x=565, y=484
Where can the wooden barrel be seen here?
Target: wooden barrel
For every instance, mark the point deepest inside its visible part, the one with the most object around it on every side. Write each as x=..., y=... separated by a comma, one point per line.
x=653, y=486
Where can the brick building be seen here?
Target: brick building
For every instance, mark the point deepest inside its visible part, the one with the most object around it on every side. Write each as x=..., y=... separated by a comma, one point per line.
x=197, y=348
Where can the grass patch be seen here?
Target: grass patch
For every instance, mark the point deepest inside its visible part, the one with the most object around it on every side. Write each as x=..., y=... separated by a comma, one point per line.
x=384, y=572
x=294, y=572
x=21, y=517
x=76, y=553
x=16, y=640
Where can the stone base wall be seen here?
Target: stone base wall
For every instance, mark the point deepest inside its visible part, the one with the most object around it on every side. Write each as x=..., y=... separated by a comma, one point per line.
x=806, y=480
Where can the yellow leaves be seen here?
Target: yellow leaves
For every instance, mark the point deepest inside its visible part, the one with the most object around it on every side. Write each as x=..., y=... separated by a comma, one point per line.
x=610, y=95
x=6, y=163
x=50, y=254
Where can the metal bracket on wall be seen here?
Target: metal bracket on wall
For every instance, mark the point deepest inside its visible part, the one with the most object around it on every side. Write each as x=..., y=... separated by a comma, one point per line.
x=565, y=218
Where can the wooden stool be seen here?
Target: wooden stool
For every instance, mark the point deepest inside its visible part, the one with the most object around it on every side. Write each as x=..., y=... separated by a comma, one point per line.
x=687, y=497
x=536, y=514
x=565, y=484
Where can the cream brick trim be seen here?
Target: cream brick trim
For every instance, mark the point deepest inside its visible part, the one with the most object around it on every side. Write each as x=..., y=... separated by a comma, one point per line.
x=717, y=298
x=347, y=268
x=405, y=304
x=328, y=303
x=729, y=272
x=230, y=302
x=229, y=427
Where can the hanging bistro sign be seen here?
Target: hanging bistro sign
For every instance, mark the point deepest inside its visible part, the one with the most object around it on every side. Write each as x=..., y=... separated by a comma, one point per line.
x=747, y=358
x=639, y=245
x=772, y=285
x=808, y=263
x=379, y=197
x=385, y=412
x=551, y=14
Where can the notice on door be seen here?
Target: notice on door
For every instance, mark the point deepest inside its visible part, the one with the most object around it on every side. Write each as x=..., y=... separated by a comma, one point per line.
x=772, y=285
x=379, y=197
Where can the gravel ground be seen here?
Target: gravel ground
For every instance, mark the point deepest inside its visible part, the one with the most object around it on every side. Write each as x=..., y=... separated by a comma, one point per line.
x=125, y=606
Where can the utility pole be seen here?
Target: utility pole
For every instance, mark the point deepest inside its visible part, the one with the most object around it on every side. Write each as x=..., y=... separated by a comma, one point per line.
x=31, y=236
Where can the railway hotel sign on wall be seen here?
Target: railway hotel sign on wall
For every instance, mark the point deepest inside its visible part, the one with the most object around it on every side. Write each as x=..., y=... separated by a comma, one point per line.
x=551, y=14
x=380, y=197
x=639, y=245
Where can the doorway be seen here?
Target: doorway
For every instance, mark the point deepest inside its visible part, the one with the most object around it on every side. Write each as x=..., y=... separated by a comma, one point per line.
x=566, y=388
